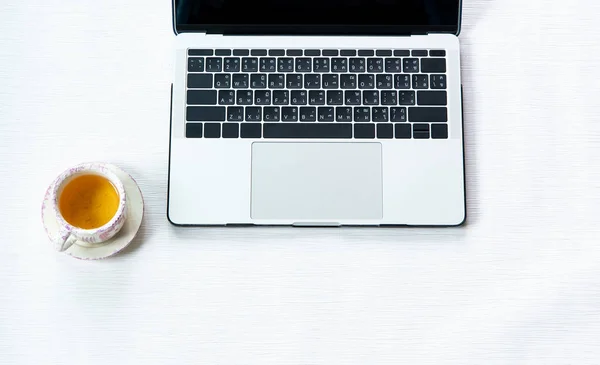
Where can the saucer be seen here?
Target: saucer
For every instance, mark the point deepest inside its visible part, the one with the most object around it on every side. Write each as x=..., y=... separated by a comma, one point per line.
x=95, y=251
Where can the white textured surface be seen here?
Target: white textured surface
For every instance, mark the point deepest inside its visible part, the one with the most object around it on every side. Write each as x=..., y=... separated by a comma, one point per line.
x=520, y=284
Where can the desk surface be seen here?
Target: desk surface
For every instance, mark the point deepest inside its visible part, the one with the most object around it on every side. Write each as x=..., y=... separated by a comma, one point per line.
x=520, y=283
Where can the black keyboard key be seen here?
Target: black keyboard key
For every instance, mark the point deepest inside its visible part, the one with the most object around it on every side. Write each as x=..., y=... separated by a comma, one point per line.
x=366, y=52
x=226, y=97
x=339, y=65
x=240, y=81
x=308, y=130
x=258, y=81
x=343, y=114
x=202, y=97
x=411, y=65
x=398, y=114
x=419, y=53
x=393, y=65
x=212, y=130
x=352, y=97
x=406, y=97
x=348, y=81
x=385, y=131
x=371, y=97
x=285, y=65
x=384, y=82
x=251, y=130
x=293, y=81
x=366, y=81
x=241, y=52
x=329, y=52
x=420, y=81
x=437, y=53
x=193, y=130
x=303, y=65
x=433, y=65
x=232, y=64
x=348, y=52
x=262, y=97
x=321, y=65
x=401, y=53
x=289, y=114
x=357, y=65
x=374, y=64
x=205, y=113
x=200, y=52
x=258, y=52
x=230, y=130
x=421, y=131
x=249, y=64
x=281, y=97
x=362, y=131
x=235, y=114
x=214, y=64
x=379, y=114
x=276, y=52
x=402, y=131
x=222, y=81
x=195, y=64
x=244, y=97
x=253, y=114
x=427, y=114
x=383, y=52
x=362, y=114
x=308, y=114
x=299, y=97
x=200, y=81
x=439, y=131
x=268, y=64
x=326, y=114
x=271, y=114
x=294, y=52
x=312, y=81
x=431, y=98
x=402, y=82
x=330, y=81
x=335, y=97
x=316, y=97
x=312, y=52
x=276, y=81
x=222, y=52
x=389, y=97
x=438, y=81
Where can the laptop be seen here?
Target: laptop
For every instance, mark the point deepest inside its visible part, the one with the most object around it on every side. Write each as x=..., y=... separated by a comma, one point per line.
x=316, y=113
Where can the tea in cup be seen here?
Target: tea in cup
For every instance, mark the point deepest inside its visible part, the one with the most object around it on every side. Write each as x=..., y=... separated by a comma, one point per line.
x=90, y=205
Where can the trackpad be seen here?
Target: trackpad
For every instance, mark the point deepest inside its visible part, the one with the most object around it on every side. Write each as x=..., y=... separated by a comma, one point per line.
x=316, y=181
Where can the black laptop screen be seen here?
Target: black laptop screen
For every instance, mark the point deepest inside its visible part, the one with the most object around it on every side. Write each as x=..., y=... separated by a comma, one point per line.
x=412, y=15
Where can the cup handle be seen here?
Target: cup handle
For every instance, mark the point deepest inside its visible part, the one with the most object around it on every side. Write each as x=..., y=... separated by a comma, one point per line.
x=64, y=239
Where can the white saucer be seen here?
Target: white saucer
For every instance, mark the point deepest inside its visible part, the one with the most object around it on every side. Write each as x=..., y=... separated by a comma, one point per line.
x=88, y=251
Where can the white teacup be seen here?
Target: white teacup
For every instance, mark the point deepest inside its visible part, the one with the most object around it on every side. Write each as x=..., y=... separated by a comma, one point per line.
x=68, y=233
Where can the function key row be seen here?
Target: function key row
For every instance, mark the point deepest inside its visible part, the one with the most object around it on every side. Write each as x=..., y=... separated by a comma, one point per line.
x=321, y=130
x=317, y=64
x=317, y=52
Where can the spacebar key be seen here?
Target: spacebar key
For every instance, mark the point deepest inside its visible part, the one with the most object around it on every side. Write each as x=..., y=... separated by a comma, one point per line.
x=307, y=130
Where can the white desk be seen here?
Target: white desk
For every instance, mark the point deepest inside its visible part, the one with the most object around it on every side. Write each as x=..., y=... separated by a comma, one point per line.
x=519, y=284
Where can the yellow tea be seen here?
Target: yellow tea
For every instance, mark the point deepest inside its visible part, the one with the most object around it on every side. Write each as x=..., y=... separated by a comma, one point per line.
x=89, y=201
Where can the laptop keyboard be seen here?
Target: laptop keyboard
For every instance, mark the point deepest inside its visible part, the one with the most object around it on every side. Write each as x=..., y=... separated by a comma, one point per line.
x=312, y=93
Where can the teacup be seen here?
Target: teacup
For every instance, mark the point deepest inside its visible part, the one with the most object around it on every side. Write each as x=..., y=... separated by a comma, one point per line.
x=90, y=205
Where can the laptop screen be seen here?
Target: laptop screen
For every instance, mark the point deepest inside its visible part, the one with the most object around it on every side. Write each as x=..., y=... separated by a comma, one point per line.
x=346, y=16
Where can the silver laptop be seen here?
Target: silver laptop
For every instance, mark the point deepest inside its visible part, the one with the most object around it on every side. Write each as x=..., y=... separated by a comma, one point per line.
x=316, y=113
